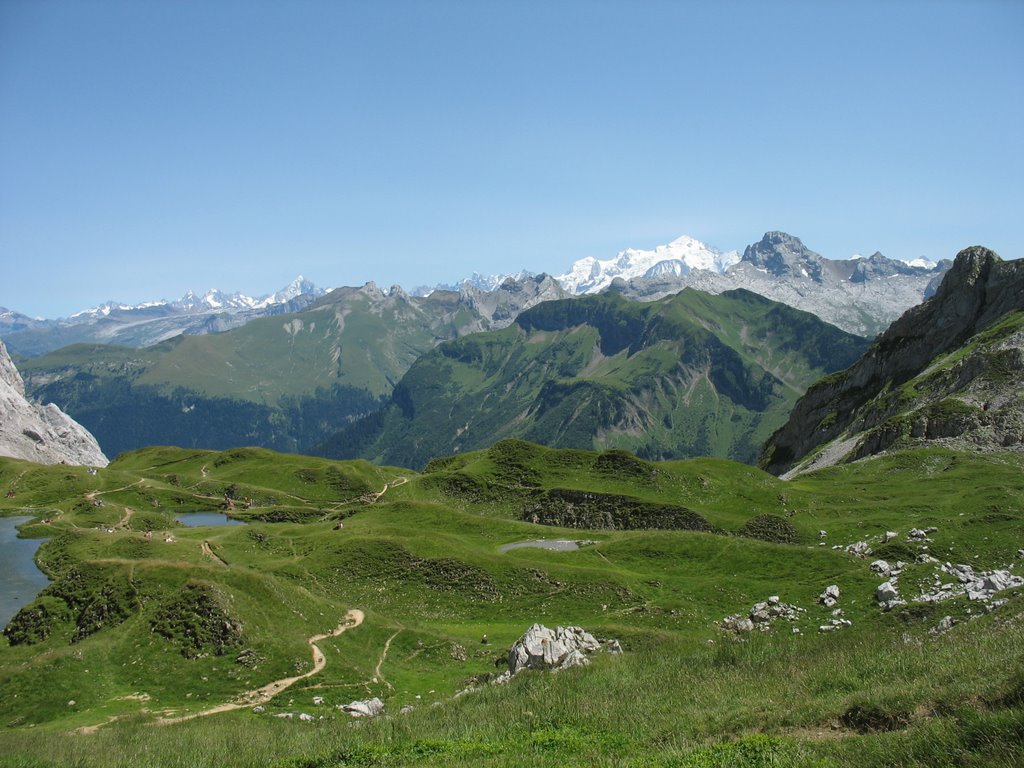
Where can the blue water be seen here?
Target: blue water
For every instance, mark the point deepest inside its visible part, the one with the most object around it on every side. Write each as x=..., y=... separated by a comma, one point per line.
x=20, y=579
x=197, y=519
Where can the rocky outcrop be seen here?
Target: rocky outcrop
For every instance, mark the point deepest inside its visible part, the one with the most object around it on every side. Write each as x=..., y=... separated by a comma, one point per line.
x=366, y=708
x=552, y=649
x=947, y=370
x=40, y=433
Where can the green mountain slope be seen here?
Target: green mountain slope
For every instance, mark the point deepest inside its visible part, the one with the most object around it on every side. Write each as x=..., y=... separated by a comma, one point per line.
x=689, y=375
x=947, y=371
x=284, y=382
x=138, y=630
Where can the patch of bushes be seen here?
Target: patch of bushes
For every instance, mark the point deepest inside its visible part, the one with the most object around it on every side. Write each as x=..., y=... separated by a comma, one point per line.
x=461, y=486
x=445, y=462
x=287, y=515
x=770, y=528
x=117, y=601
x=513, y=462
x=37, y=621
x=197, y=620
x=568, y=508
x=895, y=550
x=623, y=464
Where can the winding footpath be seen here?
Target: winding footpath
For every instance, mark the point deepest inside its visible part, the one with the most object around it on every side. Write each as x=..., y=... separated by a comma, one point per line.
x=263, y=694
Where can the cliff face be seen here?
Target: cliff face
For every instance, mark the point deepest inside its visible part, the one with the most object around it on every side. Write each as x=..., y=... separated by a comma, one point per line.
x=40, y=433
x=948, y=369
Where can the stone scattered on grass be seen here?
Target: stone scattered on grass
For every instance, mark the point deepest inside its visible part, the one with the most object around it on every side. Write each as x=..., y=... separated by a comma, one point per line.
x=835, y=624
x=887, y=595
x=977, y=585
x=761, y=616
x=945, y=624
x=830, y=596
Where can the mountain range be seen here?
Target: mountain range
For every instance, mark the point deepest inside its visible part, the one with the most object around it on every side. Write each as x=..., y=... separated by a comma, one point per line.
x=860, y=295
x=285, y=382
x=148, y=323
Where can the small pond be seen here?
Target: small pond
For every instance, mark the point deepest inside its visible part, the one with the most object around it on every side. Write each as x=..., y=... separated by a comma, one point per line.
x=20, y=579
x=198, y=519
x=558, y=545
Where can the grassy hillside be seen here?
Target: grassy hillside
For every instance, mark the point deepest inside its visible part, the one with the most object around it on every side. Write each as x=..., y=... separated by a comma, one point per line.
x=136, y=630
x=284, y=382
x=690, y=375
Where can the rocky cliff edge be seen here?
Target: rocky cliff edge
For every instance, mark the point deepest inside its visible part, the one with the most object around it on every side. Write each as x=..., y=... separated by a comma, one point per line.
x=40, y=433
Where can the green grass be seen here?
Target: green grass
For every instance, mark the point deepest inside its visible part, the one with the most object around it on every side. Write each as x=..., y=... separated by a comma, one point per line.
x=134, y=624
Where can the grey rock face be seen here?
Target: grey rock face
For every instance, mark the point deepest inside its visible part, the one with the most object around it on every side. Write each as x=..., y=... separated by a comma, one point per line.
x=968, y=401
x=40, y=433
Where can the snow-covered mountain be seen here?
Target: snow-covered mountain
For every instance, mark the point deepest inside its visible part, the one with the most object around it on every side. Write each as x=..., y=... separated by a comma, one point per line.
x=678, y=258
x=860, y=295
x=212, y=299
x=147, y=323
x=476, y=280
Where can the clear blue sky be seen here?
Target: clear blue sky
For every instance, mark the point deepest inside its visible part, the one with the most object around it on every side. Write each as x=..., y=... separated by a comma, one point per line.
x=150, y=147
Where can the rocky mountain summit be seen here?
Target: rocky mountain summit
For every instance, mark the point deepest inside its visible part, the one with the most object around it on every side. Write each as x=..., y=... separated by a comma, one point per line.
x=948, y=370
x=859, y=295
x=40, y=433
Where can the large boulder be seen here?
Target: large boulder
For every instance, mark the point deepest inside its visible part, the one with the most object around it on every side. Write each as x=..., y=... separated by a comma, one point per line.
x=543, y=648
x=368, y=708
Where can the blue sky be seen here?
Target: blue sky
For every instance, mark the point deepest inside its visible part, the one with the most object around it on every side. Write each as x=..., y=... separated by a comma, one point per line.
x=151, y=147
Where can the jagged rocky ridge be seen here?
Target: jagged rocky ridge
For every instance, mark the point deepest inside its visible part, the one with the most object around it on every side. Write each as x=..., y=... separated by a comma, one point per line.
x=861, y=296
x=948, y=370
x=40, y=433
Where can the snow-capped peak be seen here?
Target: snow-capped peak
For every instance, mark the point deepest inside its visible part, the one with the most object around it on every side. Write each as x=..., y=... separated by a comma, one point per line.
x=591, y=275
x=297, y=287
x=211, y=300
x=483, y=282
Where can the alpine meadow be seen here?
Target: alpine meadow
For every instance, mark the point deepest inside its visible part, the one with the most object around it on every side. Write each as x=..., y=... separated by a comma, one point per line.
x=589, y=385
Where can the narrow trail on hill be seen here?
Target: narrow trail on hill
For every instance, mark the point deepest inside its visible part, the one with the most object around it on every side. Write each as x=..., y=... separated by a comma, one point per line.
x=380, y=662
x=265, y=693
x=208, y=551
x=370, y=498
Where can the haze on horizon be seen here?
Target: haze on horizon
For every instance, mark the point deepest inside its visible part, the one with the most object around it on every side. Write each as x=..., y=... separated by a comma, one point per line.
x=151, y=148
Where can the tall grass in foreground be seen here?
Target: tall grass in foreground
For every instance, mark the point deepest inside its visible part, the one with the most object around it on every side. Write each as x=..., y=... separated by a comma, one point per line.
x=777, y=700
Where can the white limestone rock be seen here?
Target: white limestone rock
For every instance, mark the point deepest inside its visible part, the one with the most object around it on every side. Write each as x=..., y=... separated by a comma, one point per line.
x=367, y=708
x=40, y=433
